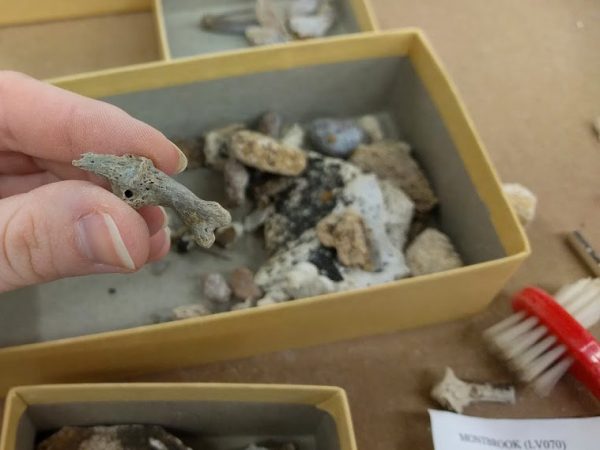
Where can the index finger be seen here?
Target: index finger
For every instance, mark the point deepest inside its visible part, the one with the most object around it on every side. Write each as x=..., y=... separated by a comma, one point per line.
x=46, y=122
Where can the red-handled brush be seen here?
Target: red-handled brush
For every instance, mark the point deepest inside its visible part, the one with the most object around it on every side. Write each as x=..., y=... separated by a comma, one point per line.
x=547, y=336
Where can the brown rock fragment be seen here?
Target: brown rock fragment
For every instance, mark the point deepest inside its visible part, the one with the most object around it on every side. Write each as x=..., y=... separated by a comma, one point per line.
x=391, y=160
x=243, y=285
x=346, y=232
x=266, y=154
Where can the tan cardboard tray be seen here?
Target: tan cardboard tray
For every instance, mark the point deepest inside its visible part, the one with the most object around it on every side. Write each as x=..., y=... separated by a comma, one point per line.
x=50, y=38
x=74, y=330
x=216, y=416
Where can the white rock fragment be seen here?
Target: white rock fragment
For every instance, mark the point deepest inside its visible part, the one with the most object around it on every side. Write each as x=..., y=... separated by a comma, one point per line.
x=294, y=136
x=398, y=213
x=455, y=394
x=364, y=195
x=189, y=311
x=304, y=281
x=432, y=252
x=371, y=125
x=215, y=288
x=522, y=200
x=313, y=25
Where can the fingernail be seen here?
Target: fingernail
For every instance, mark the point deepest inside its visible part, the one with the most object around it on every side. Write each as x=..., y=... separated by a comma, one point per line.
x=101, y=241
x=165, y=222
x=183, y=161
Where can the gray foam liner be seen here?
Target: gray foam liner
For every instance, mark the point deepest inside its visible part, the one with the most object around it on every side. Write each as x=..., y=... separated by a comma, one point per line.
x=389, y=86
x=185, y=37
x=200, y=424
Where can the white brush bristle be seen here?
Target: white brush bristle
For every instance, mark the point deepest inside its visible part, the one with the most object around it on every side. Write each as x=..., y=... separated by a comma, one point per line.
x=528, y=347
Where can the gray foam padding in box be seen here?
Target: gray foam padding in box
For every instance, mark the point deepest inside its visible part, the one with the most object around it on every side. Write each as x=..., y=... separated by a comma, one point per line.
x=200, y=424
x=185, y=37
x=83, y=306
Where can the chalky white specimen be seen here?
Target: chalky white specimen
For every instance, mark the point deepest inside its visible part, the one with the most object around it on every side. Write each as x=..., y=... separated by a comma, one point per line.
x=431, y=252
x=456, y=394
x=522, y=200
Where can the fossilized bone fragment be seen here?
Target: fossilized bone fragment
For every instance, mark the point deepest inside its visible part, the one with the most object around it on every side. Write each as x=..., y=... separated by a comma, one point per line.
x=456, y=394
x=135, y=180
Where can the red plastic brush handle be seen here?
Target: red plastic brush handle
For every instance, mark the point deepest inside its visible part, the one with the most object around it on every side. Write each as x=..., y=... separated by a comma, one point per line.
x=581, y=344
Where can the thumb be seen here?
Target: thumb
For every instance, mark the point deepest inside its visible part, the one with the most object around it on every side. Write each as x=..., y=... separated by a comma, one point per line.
x=67, y=229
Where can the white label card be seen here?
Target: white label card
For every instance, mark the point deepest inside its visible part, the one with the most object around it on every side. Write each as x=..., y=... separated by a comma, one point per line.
x=457, y=432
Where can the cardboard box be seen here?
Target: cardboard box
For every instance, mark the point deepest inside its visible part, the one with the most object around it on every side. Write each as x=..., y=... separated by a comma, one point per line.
x=51, y=38
x=218, y=416
x=73, y=330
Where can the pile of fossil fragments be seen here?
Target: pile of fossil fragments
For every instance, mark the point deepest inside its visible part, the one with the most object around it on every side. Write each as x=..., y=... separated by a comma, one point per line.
x=339, y=205
x=266, y=23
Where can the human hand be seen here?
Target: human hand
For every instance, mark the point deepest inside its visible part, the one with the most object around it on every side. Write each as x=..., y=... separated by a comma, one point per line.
x=57, y=221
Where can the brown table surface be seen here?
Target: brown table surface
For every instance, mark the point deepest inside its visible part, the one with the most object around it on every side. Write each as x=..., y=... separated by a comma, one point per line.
x=529, y=73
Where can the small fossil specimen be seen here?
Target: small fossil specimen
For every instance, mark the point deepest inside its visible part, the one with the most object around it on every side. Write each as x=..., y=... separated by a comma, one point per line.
x=456, y=394
x=271, y=29
x=398, y=213
x=227, y=236
x=391, y=160
x=117, y=437
x=270, y=124
x=135, y=180
x=243, y=285
x=216, y=145
x=431, y=252
x=266, y=154
x=316, y=24
x=596, y=126
x=215, y=288
x=231, y=22
x=189, y=311
x=522, y=200
x=293, y=136
x=372, y=126
x=346, y=232
x=336, y=137
x=236, y=182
